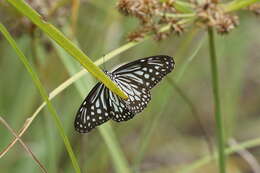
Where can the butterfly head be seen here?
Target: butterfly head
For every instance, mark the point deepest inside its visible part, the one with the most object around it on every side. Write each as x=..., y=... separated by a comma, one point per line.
x=109, y=74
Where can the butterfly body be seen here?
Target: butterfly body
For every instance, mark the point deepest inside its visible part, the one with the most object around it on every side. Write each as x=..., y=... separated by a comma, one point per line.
x=136, y=79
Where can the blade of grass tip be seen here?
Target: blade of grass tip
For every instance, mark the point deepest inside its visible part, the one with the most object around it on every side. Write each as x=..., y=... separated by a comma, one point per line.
x=215, y=90
x=28, y=150
x=230, y=150
x=68, y=45
x=107, y=133
x=44, y=95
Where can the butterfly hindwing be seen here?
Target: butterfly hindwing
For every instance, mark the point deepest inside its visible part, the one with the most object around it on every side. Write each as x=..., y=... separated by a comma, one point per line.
x=119, y=110
x=138, y=94
x=94, y=110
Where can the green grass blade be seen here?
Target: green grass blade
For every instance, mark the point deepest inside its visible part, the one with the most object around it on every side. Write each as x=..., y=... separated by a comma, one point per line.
x=44, y=95
x=66, y=44
x=215, y=87
x=107, y=133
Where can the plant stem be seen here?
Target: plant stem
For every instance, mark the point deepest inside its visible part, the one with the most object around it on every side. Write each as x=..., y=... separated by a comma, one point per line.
x=236, y=5
x=215, y=87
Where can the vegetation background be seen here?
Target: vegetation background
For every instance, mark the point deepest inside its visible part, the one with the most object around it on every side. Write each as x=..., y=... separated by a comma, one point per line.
x=166, y=136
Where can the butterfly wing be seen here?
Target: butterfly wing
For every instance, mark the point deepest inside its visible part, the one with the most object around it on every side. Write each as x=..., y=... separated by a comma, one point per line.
x=94, y=110
x=146, y=71
x=138, y=94
x=119, y=109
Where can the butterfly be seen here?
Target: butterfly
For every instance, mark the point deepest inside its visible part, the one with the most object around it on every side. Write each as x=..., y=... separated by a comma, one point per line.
x=136, y=79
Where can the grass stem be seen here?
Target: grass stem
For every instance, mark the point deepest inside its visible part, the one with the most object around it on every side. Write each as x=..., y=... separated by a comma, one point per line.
x=44, y=95
x=215, y=87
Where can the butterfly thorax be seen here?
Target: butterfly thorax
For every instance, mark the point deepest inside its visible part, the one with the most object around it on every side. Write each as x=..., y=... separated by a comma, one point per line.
x=110, y=75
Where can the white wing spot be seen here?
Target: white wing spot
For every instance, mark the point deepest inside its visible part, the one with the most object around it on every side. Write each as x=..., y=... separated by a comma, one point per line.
x=146, y=76
x=157, y=67
x=98, y=111
x=150, y=70
x=81, y=109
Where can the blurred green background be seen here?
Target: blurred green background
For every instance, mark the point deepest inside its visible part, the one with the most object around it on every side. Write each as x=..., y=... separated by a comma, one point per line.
x=166, y=136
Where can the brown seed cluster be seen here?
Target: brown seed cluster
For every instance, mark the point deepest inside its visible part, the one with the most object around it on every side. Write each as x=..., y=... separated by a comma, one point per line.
x=210, y=14
x=151, y=14
x=154, y=14
x=255, y=8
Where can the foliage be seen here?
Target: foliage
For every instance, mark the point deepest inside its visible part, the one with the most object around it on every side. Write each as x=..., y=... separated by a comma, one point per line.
x=167, y=134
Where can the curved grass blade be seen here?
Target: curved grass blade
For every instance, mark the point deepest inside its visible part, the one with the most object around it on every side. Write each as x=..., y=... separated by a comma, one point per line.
x=44, y=95
x=66, y=44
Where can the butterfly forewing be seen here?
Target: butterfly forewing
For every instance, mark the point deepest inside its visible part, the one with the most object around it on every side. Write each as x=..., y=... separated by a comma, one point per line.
x=148, y=71
x=94, y=110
